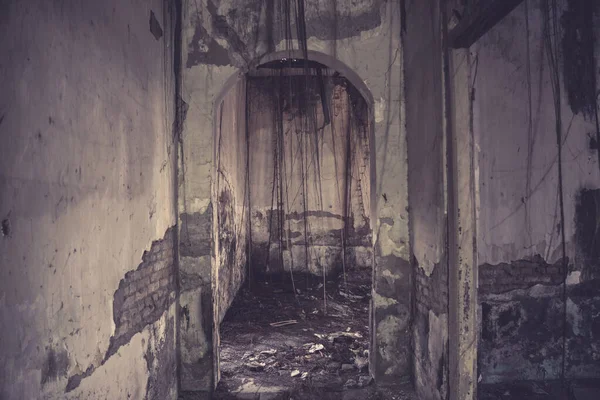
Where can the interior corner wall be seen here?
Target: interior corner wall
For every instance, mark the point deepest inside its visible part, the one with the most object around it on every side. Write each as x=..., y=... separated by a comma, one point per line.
x=519, y=223
x=87, y=168
x=361, y=41
x=232, y=197
x=426, y=186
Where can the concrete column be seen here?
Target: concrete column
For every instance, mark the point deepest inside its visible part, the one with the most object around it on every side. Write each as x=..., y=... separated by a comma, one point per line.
x=461, y=226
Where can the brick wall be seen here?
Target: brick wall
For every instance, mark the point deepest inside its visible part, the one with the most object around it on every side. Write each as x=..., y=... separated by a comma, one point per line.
x=142, y=297
x=430, y=335
x=520, y=274
x=431, y=292
x=145, y=293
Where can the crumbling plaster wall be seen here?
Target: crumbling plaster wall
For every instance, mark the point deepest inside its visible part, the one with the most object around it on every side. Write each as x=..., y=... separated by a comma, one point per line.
x=222, y=39
x=426, y=188
x=86, y=188
x=519, y=223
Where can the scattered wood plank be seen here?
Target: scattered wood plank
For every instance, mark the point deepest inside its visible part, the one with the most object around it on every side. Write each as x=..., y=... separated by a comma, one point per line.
x=283, y=323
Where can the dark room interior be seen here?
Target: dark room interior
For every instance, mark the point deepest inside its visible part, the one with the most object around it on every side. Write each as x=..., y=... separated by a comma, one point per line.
x=300, y=199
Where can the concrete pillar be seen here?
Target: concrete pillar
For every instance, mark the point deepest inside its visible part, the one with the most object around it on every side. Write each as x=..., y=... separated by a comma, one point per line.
x=461, y=226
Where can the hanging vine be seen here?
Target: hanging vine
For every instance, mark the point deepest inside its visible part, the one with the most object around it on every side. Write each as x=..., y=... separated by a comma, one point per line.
x=300, y=100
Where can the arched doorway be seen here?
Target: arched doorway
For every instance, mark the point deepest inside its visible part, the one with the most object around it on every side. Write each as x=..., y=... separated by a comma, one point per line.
x=203, y=301
x=293, y=193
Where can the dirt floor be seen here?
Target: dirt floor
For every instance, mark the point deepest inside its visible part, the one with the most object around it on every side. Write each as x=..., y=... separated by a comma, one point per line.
x=279, y=345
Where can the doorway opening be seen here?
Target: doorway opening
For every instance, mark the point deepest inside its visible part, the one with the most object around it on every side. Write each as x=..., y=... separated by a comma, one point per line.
x=292, y=290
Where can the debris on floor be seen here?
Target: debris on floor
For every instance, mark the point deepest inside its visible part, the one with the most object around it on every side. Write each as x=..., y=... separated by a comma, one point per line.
x=274, y=337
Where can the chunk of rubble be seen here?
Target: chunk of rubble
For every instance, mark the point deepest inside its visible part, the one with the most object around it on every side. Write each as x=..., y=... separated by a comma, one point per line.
x=255, y=366
x=350, y=383
x=361, y=362
x=364, y=381
x=316, y=347
x=344, y=337
x=269, y=352
x=347, y=367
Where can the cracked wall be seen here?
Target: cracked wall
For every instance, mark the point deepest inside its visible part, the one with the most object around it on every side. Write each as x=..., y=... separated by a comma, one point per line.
x=519, y=242
x=86, y=187
x=222, y=39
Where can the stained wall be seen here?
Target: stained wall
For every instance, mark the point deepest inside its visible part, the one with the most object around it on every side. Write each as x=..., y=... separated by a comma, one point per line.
x=87, y=161
x=426, y=195
x=531, y=299
x=233, y=201
x=360, y=39
x=309, y=179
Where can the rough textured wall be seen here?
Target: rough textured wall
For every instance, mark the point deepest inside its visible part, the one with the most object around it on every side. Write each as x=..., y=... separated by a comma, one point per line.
x=359, y=38
x=519, y=228
x=461, y=214
x=232, y=203
x=86, y=200
x=426, y=186
x=310, y=181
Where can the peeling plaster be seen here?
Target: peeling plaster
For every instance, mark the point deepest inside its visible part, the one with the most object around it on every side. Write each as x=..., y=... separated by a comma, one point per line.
x=574, y=316
x=198, y=205
x=389, y=274
x=387, y=331
x=197, y=344
x=380, y=109
x=437, y=347
x=574, y=278
x=387, y=245
x=383, y=302
x=426, y=265
x=136, y=374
